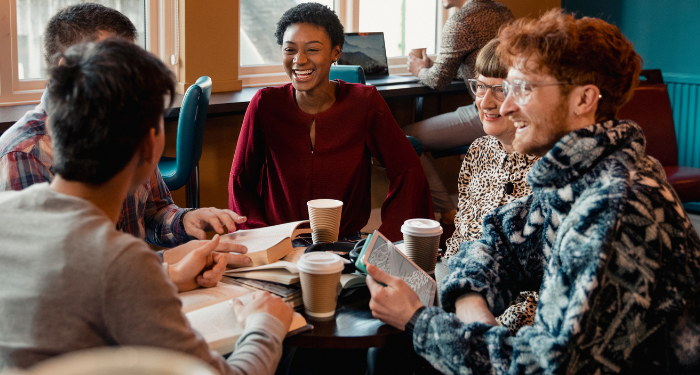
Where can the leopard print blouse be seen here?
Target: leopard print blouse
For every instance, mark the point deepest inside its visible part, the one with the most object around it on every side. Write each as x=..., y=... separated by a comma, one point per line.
x=485, y=171
x=464, y=33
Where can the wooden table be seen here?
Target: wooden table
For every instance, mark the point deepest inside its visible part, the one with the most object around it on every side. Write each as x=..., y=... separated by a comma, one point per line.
x=352, y=327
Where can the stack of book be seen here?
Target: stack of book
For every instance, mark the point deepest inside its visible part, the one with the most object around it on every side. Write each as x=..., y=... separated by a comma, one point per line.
x=274, y=259
x=280, y=278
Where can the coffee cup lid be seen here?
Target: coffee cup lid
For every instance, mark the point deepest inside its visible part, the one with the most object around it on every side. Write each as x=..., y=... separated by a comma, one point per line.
x=320, y=263
x=324, y=203
x=421, y=227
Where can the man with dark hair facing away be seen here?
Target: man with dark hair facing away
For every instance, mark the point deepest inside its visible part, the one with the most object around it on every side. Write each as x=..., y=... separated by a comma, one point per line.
x=603, y=237
x=26, y=155
x=70, y=280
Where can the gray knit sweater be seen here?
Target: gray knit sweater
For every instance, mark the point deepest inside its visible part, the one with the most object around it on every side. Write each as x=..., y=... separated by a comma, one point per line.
x=69, y=281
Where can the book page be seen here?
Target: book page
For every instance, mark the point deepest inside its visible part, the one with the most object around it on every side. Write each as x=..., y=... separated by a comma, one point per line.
x=203, y=297
x=281, y=231
x=254, y=243
x=219, y=327
x=278, y=275
x=289, y=266
x=350, y=280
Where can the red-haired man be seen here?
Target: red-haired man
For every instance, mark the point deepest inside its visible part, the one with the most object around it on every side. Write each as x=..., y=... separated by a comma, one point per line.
x=604, y=238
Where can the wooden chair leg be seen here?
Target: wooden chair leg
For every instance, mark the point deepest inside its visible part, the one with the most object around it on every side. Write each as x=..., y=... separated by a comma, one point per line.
x=192, y=188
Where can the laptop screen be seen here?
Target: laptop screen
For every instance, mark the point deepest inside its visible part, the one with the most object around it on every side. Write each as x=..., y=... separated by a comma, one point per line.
x=366, y=50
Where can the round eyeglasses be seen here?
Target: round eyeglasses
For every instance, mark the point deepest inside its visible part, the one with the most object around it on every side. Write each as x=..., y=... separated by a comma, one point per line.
x=479, y=89
x=522, y=90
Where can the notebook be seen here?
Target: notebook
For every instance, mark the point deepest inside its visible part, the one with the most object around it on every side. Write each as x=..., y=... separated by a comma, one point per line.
x=368, y=51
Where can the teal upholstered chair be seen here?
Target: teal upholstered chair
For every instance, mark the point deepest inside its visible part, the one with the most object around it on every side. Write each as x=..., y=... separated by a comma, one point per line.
x=348, y=73
x=184, y=167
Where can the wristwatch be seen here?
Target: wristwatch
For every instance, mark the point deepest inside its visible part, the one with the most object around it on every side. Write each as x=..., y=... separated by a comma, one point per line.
x=182, y=217
x=412, y=322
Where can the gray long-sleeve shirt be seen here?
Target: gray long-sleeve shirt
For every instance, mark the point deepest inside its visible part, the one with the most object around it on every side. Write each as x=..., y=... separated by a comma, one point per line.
x=70, y=281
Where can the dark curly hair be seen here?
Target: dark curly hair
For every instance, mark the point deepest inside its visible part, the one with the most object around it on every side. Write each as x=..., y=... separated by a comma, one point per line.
x=81, y=23
x=315, y=14
x=102, y=101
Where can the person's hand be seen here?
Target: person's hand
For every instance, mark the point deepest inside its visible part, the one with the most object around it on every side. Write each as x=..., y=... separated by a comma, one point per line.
x=203, y=220
x=199, y=267
x=264, y=302
x=214, y=271
x=415, y=63
x=472, y=307
x=393, y=304
x=176, y=254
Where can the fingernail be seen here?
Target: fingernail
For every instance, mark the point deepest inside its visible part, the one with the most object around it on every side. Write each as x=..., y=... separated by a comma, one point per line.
x=247, y=260
x=244, y=218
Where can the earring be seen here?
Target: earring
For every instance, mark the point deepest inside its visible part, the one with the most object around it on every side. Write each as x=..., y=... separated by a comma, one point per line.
x=577, y=115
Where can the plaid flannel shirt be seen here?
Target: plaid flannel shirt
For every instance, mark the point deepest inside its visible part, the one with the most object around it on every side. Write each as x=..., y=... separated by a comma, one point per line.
x=26, y=158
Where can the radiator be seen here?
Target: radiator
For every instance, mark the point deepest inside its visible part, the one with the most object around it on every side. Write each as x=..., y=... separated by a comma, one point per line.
x=684, y=90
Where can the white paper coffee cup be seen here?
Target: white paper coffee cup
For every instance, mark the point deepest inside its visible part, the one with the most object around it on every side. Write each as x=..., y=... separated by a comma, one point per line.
x=418, y=52
x=325, y=215
x=421, y=239
x=320, y=275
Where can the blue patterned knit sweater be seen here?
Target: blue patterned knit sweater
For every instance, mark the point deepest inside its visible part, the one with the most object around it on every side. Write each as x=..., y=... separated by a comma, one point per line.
x=607, y=243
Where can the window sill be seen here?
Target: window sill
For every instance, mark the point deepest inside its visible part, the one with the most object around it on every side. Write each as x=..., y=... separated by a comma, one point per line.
x=236, y=102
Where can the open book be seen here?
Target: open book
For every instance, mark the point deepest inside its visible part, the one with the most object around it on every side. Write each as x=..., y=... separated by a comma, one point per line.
x=210, y=313
x=268, y=244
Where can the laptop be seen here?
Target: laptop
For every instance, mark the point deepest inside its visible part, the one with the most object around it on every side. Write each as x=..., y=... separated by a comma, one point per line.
x=368, y=51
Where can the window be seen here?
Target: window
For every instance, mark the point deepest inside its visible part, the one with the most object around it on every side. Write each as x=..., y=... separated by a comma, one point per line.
x=258, y=25
x=32, y=17
x=406, y=24
x=22, y=66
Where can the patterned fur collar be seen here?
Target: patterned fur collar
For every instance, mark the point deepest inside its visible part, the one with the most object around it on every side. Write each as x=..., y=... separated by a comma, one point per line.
x=577, y=152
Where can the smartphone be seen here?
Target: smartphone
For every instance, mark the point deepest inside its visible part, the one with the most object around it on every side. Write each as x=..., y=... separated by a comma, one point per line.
x=380, y=252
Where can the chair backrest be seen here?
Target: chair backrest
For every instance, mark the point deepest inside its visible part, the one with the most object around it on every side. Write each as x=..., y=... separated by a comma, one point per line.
x=650, y=107
x=348, y=73
x=190, y=127
x=132, y=360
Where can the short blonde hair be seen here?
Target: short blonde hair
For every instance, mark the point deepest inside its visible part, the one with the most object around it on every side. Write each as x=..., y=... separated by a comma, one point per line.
x=488, y=64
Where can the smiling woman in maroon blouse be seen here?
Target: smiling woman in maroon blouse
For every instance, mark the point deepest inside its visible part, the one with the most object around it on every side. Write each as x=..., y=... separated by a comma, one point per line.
x=313, y=138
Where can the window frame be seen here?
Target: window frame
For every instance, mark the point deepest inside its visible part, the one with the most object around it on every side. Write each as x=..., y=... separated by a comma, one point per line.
x=349, y=13
x=161, y=27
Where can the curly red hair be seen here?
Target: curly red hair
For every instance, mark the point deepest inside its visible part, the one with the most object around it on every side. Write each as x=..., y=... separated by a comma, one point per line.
x=580, y=51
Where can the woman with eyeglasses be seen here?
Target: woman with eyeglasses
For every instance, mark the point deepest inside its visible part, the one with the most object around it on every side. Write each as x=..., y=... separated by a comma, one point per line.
x=492, y=174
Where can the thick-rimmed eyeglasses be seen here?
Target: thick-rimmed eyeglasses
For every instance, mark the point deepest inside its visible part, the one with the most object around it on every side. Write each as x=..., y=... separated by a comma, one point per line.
x=522, y=90
x=479, y=89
